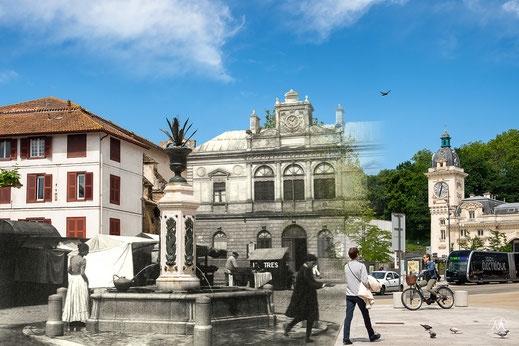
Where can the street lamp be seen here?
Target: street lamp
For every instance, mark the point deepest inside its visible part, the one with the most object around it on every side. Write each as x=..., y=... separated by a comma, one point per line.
x=449, y=221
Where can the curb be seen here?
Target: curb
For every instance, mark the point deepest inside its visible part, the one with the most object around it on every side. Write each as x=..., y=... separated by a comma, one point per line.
x=38, y=334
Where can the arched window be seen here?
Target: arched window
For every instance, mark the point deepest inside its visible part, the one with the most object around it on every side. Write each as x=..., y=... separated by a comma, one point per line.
x=264, y=184
x=220, y=240
x=293, y=183
x=325, y=248
x=324, y=181
x=264, y=240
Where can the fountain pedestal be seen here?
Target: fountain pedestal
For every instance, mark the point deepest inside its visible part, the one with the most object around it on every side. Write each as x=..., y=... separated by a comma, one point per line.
x=177, y=238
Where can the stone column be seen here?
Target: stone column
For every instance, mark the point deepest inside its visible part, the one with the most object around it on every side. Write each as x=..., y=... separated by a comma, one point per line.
x=177, y=238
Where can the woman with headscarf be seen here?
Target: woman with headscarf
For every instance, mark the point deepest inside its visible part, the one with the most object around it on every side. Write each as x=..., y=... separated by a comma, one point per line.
x=76, y=310
x=303, y=304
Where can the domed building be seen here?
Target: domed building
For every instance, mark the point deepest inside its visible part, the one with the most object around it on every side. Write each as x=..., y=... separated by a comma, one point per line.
x=455, y=218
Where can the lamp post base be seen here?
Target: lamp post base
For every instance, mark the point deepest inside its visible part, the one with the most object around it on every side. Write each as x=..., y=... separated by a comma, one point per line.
x=177, y=282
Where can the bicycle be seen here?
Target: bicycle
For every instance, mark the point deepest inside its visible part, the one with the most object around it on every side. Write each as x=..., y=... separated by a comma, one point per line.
x=413, y=297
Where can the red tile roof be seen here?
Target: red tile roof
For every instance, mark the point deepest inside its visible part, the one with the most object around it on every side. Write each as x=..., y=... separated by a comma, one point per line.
x=51, y=115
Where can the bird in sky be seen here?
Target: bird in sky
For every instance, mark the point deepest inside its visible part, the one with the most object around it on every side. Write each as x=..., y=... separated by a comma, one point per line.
x=455, y=330
x=426, y=326
x=385, y=93
x=502, y=333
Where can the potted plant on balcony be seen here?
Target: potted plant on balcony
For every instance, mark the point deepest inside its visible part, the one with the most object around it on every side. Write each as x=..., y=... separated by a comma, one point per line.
x=10, y=178
x=177, y=150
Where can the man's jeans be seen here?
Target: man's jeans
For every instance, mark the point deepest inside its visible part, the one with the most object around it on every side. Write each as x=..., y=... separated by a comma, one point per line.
x=350, y=307
x=429, y=286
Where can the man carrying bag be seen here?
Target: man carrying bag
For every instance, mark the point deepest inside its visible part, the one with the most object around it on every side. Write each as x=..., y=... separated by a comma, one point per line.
x=356, y=281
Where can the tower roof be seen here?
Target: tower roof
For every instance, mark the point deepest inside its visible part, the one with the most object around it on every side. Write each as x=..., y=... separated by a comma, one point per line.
x=446, y=152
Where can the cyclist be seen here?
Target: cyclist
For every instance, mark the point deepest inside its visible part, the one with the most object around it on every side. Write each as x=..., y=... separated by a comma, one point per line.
x=429, y=278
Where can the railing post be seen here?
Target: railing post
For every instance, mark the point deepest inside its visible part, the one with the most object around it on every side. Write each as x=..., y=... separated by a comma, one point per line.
x=62, y=292
x=203, y=331
x=54, y=325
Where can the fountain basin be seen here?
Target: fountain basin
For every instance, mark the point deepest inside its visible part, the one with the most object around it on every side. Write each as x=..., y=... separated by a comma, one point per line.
x=138, y=311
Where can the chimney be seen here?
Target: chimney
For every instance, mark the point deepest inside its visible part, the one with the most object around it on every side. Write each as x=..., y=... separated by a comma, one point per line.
x=487, y=195
x=69, y=106
x=339, y=116
x=254, y=122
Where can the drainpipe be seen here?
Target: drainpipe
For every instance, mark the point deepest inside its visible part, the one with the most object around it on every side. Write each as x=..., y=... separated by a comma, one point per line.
x=101, y=182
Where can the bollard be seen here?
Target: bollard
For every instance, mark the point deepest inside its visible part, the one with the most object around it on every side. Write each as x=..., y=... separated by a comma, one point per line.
x=461, y=298
x=62, y=292
x=54, y=325
x=397, y=300
x=203, y=331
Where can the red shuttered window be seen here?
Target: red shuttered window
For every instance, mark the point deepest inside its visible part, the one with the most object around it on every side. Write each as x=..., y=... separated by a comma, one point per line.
x=39, y=188
x=5, y=195
x=80, y=186
x=115, y=189
x=36, y=148
x=76, y=227
x=115, y=149
x=76, y=145
x=8, y=149
x=115, y=226
x=37, y=219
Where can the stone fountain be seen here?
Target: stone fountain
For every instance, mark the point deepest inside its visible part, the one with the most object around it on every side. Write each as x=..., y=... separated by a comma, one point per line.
x=171, y=306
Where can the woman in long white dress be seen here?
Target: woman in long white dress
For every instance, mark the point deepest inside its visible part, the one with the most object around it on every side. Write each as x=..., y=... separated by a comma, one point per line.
x=76, y=310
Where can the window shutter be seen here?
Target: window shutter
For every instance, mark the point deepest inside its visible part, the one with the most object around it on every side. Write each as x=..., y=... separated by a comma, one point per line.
x=89, y=186
x=31, y=188
x=76, y=145
x=118, y=190
x=115, y=226
x=47, y=221
x=24, y=148
x=71, y=187
x=71, y=227
x=5, y=195
x=47, y=187
x=48, y=146
x=14, y=144
x=115, y=149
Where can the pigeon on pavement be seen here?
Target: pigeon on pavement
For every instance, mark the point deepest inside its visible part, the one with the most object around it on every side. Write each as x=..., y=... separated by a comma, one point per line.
x=426, y=326
x=455, y=330
x=502, y=333
x=432, y=334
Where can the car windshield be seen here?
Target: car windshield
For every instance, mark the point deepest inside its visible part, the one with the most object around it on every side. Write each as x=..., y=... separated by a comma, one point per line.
x=458, y=266
x=378, y=275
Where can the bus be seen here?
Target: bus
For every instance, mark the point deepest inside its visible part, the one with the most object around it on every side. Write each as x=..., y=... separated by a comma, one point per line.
x=482, y=266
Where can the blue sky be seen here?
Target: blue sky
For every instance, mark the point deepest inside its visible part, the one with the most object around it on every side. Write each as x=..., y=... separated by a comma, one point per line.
x=137, y=61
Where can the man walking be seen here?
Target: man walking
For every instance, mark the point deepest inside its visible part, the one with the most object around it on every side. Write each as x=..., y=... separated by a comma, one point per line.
x=356, y=275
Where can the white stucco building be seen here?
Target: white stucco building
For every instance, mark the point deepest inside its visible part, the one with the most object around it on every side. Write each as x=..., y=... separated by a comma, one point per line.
x=454, y=217
x=80, y=172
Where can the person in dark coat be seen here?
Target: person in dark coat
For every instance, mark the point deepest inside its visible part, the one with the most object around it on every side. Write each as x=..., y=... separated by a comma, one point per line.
x=303, y=304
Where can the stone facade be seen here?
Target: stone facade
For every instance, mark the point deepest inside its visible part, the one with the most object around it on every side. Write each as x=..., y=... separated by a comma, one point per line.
x=281, y=186
x=454, y=217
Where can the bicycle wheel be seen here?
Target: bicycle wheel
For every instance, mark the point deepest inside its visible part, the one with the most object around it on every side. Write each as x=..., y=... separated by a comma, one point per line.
x=446, y=297
x=411, y=299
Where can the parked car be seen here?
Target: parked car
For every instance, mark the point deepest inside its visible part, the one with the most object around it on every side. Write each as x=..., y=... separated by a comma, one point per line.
x=389, y=281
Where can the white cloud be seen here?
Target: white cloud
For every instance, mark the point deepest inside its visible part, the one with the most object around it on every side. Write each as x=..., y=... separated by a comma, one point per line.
x=322, y=17
x=163, y=36
x=512, y=7
x=7, y=75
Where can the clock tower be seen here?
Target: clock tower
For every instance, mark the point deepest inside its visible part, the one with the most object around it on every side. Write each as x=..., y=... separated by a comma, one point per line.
x=446, y=190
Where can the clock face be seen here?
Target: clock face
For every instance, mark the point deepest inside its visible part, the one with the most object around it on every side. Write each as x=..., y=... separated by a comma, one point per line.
x=441, y=189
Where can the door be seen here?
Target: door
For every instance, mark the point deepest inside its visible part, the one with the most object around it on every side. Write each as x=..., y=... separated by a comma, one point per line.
x=294, y=237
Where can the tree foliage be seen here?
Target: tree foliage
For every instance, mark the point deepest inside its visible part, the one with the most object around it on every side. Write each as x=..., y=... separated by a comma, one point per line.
x=497, y=242
x=374, y=243
x=472, y=243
